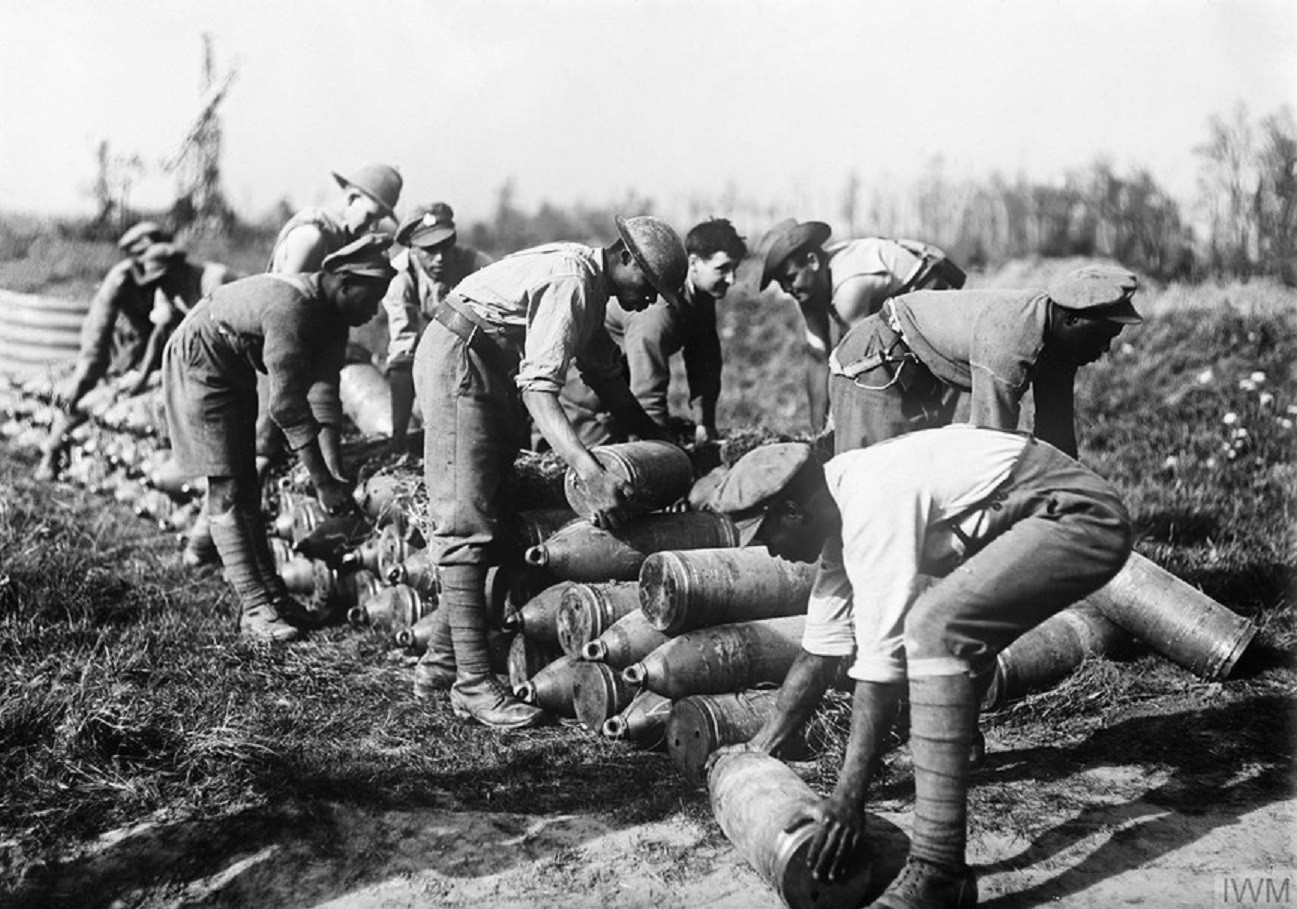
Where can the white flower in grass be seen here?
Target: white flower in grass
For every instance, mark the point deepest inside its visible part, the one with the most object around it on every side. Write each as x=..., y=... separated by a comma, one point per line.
x=1211, y=462
x=1258, y=377
x=1230, y=418
x=1265, y=399
x=1205, y=376
x=1247, y=385
x=1292, y=410
x=1171, y=462
x=1285, y=423
x=1240, y=433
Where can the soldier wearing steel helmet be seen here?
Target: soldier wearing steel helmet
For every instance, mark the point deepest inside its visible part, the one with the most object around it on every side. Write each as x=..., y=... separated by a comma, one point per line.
x=496, y=351
x=903, y=368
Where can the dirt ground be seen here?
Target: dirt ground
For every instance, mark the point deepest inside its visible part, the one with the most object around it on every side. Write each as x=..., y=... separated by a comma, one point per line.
x=1112, y=839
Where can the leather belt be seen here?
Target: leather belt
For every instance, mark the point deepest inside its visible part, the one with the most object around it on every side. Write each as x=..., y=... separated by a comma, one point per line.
x=475, y=332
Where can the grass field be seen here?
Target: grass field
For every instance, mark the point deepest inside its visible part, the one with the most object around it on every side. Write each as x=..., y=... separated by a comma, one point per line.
x=126, y=695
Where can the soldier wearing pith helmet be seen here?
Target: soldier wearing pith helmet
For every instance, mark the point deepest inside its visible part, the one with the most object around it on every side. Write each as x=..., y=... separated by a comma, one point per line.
x=903, y=368
x=497, y=351
x=293, y=330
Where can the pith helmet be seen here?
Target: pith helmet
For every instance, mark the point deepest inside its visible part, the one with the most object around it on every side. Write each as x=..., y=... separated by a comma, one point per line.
x=786, y=238
x=365, y=258
x=658, y=252
x=380, y=182
x=1098, y=292
x=141, y=236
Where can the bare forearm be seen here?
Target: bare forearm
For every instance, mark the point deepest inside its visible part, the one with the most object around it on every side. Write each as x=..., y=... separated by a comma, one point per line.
x=873, y=711
x=553, y=424
x=807, y=680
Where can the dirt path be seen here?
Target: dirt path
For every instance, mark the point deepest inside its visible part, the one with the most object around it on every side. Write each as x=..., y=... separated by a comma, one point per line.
x=1113, y=844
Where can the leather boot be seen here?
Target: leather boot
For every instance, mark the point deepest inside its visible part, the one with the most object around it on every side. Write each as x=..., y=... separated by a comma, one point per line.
x=258, y=616
x=478, y=694
x=943, y=720
x=435, y=670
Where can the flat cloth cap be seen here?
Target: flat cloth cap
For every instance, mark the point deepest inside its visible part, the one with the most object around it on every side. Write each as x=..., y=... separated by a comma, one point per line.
x=756, y=481
x=141, y=236
x=427, y=226
x=365, y=258
x=156, y=261
x=1099, y=292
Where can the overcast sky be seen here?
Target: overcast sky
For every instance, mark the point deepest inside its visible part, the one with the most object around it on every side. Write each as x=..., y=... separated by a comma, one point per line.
x=586, y=99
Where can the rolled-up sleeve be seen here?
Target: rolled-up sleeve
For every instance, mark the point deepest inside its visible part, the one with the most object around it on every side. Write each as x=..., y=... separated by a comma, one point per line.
x=402, y=307
x=830, y=630
x=556, y=320
x=288, y=356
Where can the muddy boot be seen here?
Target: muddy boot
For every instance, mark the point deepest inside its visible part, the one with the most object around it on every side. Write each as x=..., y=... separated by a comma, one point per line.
x=435, y=670
x=943, y=720
x=259, y=617
x=478, y=694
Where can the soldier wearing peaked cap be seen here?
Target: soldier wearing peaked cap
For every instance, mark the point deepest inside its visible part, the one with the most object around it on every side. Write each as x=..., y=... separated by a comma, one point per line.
x=432, y=263
x=837, y=285
x=498, y=349
x=899, y=369
x=293, y=330
x=369, y=195
x=1014, y=531
x=129, y=320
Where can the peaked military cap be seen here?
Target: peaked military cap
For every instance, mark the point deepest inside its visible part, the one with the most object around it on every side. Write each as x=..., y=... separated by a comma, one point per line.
x=756, y=481
x=1098, y=292
x=365, y=257
x=428, y=226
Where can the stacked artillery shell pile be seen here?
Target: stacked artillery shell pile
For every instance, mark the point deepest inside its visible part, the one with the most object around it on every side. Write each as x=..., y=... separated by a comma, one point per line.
x=118, y=449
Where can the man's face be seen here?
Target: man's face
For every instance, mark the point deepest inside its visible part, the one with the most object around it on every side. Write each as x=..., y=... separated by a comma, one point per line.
x=714, y=275
x=363, y=213
x=434, y=259
x=357, y=298
x=801, y=277
x=631, y=286
x=1081, y=340
x=798, y=530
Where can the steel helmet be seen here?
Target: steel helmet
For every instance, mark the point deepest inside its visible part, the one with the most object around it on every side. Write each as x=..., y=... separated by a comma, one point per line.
x=658, y=251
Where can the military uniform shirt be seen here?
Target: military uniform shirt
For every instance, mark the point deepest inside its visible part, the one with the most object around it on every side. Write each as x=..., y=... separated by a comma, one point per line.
x=650, y=337
x=413, y=294
x=878, y=267
x=549, y=303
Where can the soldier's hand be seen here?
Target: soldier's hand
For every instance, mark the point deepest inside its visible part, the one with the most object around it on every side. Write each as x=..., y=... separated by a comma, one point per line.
x=608, y=497
x=704, y=434
x=335, y=496
x=840, y=829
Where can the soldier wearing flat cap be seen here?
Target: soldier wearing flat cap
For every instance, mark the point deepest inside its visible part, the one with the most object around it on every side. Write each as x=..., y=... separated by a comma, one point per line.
x=839, y=284
x=497, y=351
x=293, y=330
x=369, y=195
x=128, y=322
x=901, y=369
x=432, y=263
x=1014, y=531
